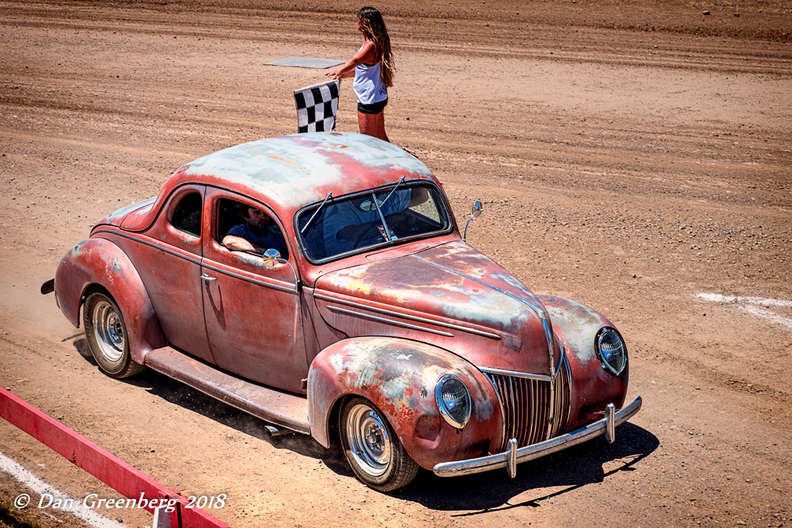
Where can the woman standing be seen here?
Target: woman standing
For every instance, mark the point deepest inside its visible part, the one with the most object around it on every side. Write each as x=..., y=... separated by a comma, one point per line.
x=372, y=67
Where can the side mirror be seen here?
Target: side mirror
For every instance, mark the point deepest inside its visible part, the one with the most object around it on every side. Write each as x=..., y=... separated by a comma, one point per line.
x=477, y=208
x=272, y=258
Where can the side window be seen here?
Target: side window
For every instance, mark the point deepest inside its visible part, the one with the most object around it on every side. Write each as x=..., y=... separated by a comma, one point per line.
x=245, y=228
x=187, y=215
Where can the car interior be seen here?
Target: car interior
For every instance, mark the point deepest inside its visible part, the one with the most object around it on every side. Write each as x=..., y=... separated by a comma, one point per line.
x=187, y=215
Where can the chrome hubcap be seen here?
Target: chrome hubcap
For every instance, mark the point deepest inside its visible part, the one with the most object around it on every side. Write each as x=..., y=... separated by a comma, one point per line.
x=369, y=441
x=108, y=330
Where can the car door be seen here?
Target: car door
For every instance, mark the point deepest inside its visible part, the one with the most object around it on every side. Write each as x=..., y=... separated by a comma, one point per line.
x=252, y=312
x=168, y=258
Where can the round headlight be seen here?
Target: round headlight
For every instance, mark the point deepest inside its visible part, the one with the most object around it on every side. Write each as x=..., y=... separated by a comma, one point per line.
x=453, y=400
x=611, y=351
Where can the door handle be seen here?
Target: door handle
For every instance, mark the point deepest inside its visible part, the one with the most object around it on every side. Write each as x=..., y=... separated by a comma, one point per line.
x=207, y=278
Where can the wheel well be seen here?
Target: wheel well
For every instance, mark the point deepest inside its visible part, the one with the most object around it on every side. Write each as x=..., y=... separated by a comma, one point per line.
x=90, y=289
x=334, y=435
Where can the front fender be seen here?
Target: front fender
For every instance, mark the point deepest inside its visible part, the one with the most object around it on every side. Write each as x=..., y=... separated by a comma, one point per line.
x=577, y=325
x=97, y=261
x=399, y=377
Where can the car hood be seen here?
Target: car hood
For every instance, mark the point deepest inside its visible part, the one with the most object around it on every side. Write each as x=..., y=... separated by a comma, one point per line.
x=450, y=295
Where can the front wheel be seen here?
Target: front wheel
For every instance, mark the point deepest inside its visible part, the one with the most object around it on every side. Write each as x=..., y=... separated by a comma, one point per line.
x=372, y=449
x=107, y=336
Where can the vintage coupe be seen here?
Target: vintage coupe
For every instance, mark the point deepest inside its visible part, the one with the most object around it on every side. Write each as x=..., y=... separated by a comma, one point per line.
x=374, y=323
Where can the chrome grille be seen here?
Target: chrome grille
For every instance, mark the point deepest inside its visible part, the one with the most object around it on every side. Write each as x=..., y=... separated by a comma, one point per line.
x=533, y=409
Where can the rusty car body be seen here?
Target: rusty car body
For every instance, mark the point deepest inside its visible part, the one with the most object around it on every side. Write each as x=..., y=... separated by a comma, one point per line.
x=408, y=344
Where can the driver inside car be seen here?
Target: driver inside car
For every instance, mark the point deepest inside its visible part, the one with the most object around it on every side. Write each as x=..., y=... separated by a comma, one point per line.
x=257, y=234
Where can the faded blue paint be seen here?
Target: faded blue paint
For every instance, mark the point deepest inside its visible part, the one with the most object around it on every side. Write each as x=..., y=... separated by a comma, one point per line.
x=337, y=362
x=253, y=260
x=394, y=389
x=483, y=304
x=301, y=168
x=577, y=322
x=115, y=265
x=512, y=281
x=357, y=361
x=488, y=307
x=76, y=251
x=111, y=263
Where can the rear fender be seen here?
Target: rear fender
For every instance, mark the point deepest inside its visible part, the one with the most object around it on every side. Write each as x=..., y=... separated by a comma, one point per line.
x=99, y=262
x=577, y=325
x=399, y=377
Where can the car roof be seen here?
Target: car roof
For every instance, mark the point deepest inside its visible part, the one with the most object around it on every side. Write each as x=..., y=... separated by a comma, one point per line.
x=296, y=170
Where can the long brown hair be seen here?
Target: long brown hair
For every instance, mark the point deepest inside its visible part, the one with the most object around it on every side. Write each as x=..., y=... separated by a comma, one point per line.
x=375, y=28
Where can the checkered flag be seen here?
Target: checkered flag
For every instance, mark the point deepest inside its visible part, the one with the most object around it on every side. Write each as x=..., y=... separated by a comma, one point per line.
x=317, y=107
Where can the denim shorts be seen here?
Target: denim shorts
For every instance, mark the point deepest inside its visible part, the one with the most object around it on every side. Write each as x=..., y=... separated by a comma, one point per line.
x=374, y=108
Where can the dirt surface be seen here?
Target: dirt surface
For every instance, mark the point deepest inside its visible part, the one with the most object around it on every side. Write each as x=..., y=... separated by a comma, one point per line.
x=631, y=156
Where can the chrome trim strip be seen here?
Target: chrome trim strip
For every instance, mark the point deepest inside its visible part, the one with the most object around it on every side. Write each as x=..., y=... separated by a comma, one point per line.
x=410, y=317
x=513, y=374
x=551, y=404
x=150, y=244
x=532, y=452
x=248, y=279
x=500, y=404
x=568, y=371
x=388, y=321
x=200, y=262
x=537, y=310
x=525, y=375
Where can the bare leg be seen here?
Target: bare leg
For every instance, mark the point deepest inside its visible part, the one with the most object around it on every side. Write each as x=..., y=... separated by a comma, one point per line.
x=373, y=125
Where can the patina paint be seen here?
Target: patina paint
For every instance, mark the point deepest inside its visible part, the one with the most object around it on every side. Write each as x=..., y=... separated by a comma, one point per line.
x=100, y=262
x=576, y=325
x=399, y=378
x=467, y=290
x=453, y=257
x=286, y=173
x=300, y=169
x=384, y=325
x=454, y=297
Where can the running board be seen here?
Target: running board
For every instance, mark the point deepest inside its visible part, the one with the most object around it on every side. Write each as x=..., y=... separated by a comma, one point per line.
x=273, y=406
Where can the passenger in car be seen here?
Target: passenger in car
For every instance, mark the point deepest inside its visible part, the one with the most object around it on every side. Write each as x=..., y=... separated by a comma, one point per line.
x=258, y=234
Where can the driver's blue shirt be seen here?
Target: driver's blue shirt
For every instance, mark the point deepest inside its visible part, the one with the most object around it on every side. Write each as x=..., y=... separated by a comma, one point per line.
x=270, y=238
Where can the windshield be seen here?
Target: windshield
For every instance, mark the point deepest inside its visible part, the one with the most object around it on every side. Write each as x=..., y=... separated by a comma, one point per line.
x=348, y=225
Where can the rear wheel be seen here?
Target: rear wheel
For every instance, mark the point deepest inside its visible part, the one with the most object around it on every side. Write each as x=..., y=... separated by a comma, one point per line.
x=372, y=449
x=107, y=336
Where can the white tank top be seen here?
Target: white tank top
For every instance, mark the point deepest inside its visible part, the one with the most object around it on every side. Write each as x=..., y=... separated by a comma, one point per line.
x=368, y=84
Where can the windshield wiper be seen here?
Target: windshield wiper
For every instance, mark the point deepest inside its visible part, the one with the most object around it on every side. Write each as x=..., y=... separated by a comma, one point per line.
x=388, y=236
x=401, y=180
x=329, y=195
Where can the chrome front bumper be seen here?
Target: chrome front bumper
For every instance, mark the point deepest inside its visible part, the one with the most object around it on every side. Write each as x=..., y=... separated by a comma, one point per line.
x=513, y=456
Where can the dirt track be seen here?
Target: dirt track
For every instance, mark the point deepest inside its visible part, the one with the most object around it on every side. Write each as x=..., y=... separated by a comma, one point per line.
x=630, y=158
